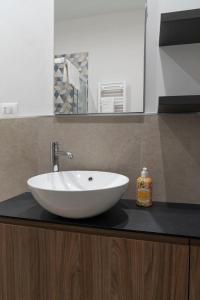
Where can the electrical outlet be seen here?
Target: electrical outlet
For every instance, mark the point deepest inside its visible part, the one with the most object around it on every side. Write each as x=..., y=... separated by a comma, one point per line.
x=9, y=108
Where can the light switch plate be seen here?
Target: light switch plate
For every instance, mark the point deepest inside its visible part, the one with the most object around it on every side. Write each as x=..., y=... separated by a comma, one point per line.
x=8, y=108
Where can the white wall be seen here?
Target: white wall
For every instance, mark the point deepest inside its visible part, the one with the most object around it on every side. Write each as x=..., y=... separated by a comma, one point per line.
x=26, y=55
x=115, y=43
x=171, y=70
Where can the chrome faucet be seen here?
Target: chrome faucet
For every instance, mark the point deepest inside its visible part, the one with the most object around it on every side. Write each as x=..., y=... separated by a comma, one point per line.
x=55, y=153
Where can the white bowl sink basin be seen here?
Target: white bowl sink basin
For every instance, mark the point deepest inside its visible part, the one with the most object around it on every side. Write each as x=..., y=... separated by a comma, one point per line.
x=78, y=194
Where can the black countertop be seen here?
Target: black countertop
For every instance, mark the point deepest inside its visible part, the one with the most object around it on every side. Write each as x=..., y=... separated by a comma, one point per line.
x=181, y=220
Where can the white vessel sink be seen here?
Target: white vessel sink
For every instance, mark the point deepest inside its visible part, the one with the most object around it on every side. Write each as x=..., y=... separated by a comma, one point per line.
x=78, y=194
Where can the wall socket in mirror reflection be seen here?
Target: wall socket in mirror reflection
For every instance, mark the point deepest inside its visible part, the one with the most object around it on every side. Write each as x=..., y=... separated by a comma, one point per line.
x=8, y=109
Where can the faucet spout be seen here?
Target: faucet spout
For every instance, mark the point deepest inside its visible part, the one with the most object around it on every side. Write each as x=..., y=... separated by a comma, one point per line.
x=65, y=153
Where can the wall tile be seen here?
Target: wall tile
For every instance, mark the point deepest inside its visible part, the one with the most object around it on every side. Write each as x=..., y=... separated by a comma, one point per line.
x=168, y=145
x=18, y=155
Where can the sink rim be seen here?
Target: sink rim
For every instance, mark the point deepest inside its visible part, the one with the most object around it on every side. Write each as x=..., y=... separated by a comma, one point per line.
x=35, y=186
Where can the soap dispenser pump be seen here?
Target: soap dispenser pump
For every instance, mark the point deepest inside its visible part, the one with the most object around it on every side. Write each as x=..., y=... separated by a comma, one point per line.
x=144, y=189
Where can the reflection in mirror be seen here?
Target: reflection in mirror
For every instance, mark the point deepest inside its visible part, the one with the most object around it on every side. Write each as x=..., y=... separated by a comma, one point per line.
x=71, y=83
x=99, y=56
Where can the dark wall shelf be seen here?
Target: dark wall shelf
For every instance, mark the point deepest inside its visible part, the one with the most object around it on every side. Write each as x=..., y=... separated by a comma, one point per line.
x=182, y=27
x=179, y=104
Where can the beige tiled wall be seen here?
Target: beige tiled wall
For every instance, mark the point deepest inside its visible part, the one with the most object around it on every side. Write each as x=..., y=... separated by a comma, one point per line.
x=169, y=145
x=18, y=160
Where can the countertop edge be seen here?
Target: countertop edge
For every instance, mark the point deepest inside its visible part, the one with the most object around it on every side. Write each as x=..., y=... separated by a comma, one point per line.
x=86, y=229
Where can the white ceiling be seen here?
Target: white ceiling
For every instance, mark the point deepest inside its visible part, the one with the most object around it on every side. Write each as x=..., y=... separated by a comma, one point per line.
x=73, y=9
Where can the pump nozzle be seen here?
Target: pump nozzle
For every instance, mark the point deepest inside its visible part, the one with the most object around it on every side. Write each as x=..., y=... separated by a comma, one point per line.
x=144, y=172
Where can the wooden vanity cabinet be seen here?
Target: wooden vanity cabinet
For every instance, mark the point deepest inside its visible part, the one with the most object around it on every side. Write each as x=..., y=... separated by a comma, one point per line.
x=38, y=263
x=194, y=270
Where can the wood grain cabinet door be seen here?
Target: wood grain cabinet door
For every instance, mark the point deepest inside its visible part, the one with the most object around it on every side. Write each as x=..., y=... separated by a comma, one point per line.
x=195, y=270
x=38, y=264
x=129, y=269
x=47, y=264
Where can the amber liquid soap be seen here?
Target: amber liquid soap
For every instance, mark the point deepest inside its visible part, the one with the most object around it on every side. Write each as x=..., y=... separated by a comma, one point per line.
x=144, y=189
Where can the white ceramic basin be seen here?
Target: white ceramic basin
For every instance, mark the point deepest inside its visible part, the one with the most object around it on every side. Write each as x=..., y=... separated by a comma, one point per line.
x=78, y=194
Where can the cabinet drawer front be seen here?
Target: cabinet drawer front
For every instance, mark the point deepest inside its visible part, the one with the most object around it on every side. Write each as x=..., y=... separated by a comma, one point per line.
x=48, y=264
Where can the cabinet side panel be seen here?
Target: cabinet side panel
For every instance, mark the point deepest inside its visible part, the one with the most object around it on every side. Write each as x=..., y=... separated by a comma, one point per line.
x=195, y=272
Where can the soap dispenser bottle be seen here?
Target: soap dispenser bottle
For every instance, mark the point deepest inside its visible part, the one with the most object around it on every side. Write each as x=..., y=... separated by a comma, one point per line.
x=144, y=189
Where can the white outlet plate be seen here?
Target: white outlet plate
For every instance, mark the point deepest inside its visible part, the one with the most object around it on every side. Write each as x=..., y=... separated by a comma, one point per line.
x=8, y=109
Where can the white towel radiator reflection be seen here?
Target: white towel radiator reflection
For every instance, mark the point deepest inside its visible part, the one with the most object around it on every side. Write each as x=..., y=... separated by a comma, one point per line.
x=112, y=97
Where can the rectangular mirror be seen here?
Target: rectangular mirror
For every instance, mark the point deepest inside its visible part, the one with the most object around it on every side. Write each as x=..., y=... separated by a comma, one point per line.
x=99, y=56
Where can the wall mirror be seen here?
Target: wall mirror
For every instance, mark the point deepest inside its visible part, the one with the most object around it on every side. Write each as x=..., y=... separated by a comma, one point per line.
x=99, y=56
